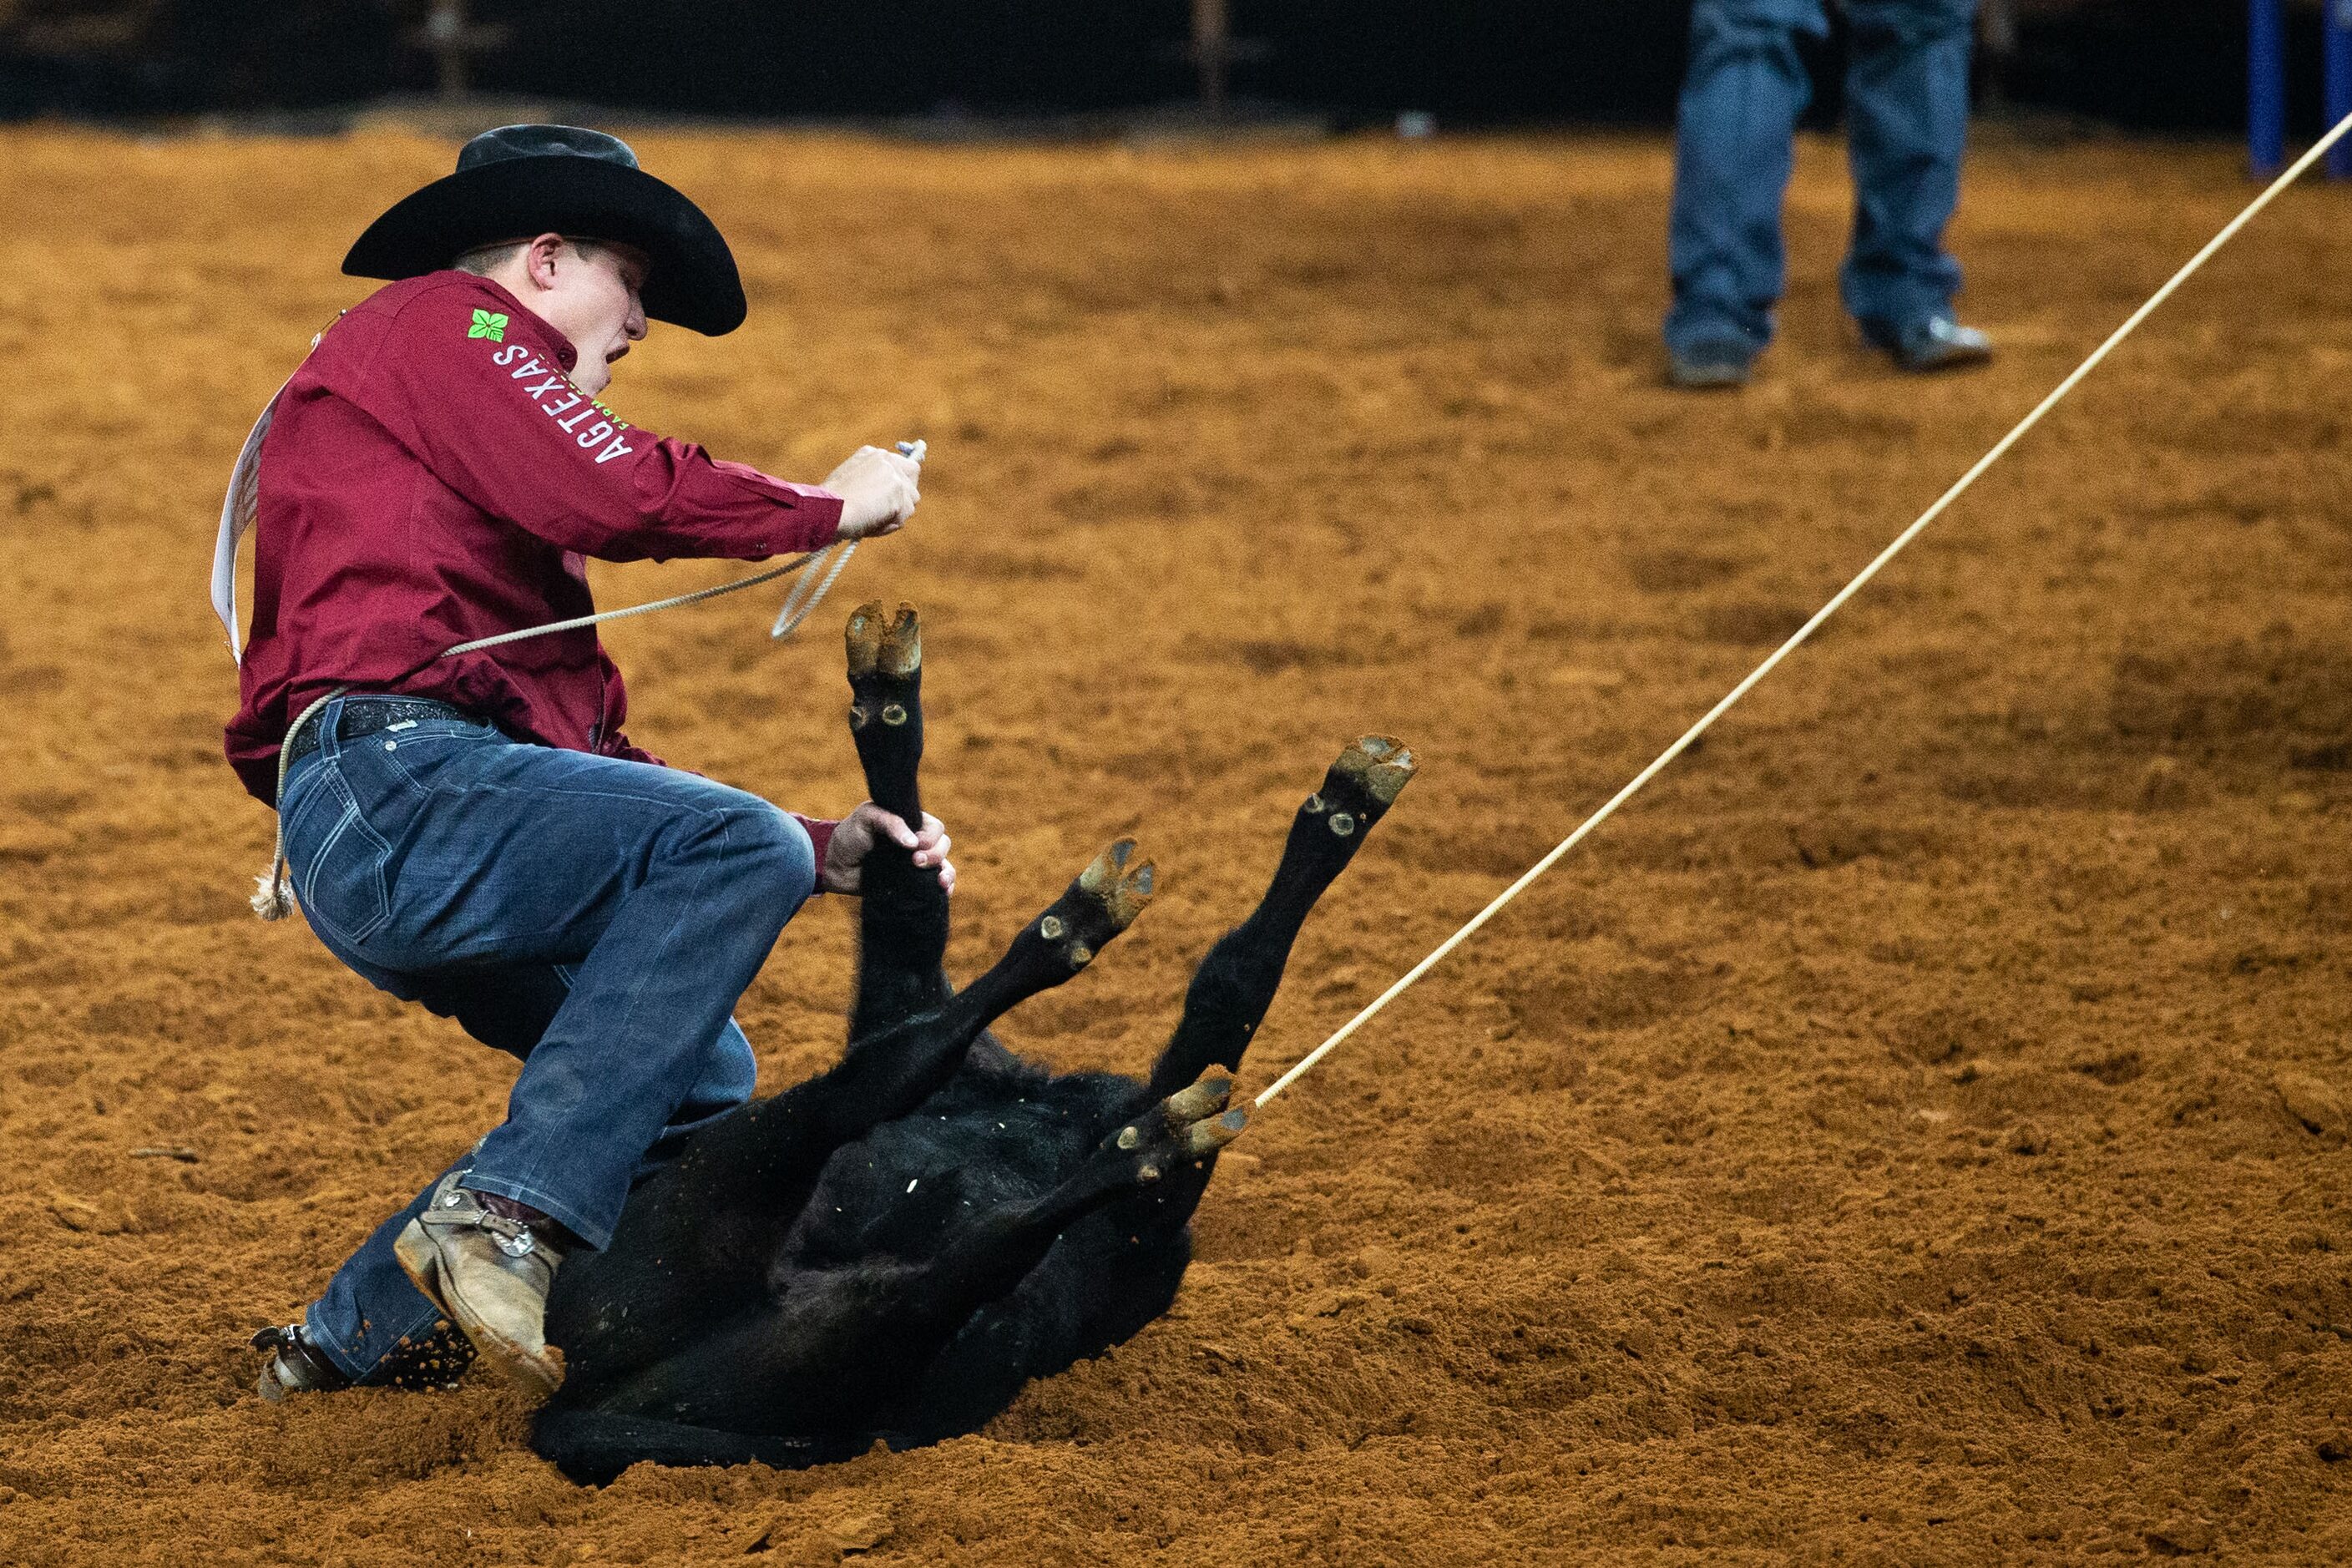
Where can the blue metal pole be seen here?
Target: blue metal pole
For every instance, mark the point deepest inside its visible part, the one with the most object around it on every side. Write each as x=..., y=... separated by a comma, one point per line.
x=2338, y=53
x=2266, y=85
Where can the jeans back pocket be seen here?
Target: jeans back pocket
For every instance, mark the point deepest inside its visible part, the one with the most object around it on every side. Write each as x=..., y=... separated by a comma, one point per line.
x=342, y=882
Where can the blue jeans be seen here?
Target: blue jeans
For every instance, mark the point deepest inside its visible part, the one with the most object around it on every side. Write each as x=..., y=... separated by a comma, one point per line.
x=1907, y=122
x=597, y=919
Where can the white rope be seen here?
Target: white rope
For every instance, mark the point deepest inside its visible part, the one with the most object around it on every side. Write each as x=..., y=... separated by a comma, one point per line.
x=803, y=599
x=1683, y=744
x=272, y=900
x=800, y=601
x=599, y=618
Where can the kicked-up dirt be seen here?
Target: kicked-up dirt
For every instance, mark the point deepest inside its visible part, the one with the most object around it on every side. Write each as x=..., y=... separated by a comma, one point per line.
x=1914, y=1131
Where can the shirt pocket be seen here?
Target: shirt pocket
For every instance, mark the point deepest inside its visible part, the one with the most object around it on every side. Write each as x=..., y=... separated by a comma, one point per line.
x=342, y=883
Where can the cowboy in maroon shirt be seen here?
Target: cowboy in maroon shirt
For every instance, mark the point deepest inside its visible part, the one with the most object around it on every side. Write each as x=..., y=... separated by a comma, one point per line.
x=477, y=833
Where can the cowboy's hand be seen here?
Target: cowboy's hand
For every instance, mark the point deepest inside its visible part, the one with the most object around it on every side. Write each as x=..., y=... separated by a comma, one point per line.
x=856, y=835
x=878, y=491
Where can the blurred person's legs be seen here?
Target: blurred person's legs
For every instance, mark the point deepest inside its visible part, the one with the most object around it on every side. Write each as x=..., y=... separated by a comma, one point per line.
x=1744, y=90
x=1907, y=126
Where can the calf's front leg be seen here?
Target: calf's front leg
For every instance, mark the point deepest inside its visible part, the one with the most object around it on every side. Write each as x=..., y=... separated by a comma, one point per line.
x=1236, y=982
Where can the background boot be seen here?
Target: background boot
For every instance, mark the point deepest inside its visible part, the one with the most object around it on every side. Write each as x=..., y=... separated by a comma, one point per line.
x=1929, y=343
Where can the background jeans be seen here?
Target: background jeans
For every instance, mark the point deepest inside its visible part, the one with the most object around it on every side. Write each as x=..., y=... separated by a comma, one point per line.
x=1906, y=123
x=596, y=918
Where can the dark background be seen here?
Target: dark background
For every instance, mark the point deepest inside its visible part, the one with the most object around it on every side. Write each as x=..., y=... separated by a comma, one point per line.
x=2176, y=65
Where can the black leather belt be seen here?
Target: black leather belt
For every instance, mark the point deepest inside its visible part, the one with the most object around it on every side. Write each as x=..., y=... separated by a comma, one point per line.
x=366, y=716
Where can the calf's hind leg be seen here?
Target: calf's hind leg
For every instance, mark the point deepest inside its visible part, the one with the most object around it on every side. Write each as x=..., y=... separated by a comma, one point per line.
x=1223, y=1008
x=1236, y=982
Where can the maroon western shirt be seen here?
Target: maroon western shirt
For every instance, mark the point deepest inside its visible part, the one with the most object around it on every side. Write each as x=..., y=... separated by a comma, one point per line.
x=431, y=477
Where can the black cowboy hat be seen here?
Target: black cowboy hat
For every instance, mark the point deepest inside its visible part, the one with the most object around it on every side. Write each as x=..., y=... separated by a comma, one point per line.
x=524, y=180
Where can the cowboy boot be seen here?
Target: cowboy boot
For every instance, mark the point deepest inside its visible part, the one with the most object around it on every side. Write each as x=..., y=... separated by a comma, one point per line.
x=294, y=1366
x=490, y=1274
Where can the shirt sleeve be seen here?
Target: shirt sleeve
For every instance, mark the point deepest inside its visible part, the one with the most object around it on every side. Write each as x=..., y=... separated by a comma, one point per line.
x=497, y=419
x=820, y=832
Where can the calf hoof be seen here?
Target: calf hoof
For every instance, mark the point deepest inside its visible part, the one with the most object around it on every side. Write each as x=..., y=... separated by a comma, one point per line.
x=1381, y=766
x=1362, y=784
x=1103, y=902
x=1189, y=1125
x=885, y=669
x=883, y=644
x=1123, y=891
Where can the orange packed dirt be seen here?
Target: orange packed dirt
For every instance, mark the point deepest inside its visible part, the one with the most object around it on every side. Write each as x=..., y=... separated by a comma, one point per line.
x=1914, y=1131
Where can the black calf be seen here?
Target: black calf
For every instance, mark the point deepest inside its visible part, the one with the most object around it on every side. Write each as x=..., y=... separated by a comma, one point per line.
x=893, y=1249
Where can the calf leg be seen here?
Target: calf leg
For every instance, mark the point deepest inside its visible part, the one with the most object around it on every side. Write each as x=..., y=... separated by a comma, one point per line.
x=1118, y=1267
x=1236, y=982
x=886, y=709
x=902, y=928
x=841, y=1345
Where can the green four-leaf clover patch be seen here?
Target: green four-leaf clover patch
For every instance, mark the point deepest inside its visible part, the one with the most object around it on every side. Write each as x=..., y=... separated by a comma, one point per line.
x=491, y=324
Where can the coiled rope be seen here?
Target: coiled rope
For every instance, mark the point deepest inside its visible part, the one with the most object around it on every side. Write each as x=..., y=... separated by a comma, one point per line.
x=2301, y=166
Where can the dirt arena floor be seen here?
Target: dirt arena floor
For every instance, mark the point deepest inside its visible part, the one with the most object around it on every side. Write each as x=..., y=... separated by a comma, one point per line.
x=1916, y=1130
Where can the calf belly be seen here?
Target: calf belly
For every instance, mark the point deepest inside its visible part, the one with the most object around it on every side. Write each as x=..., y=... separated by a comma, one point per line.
x=997, y=1135
x=1002, y=1131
